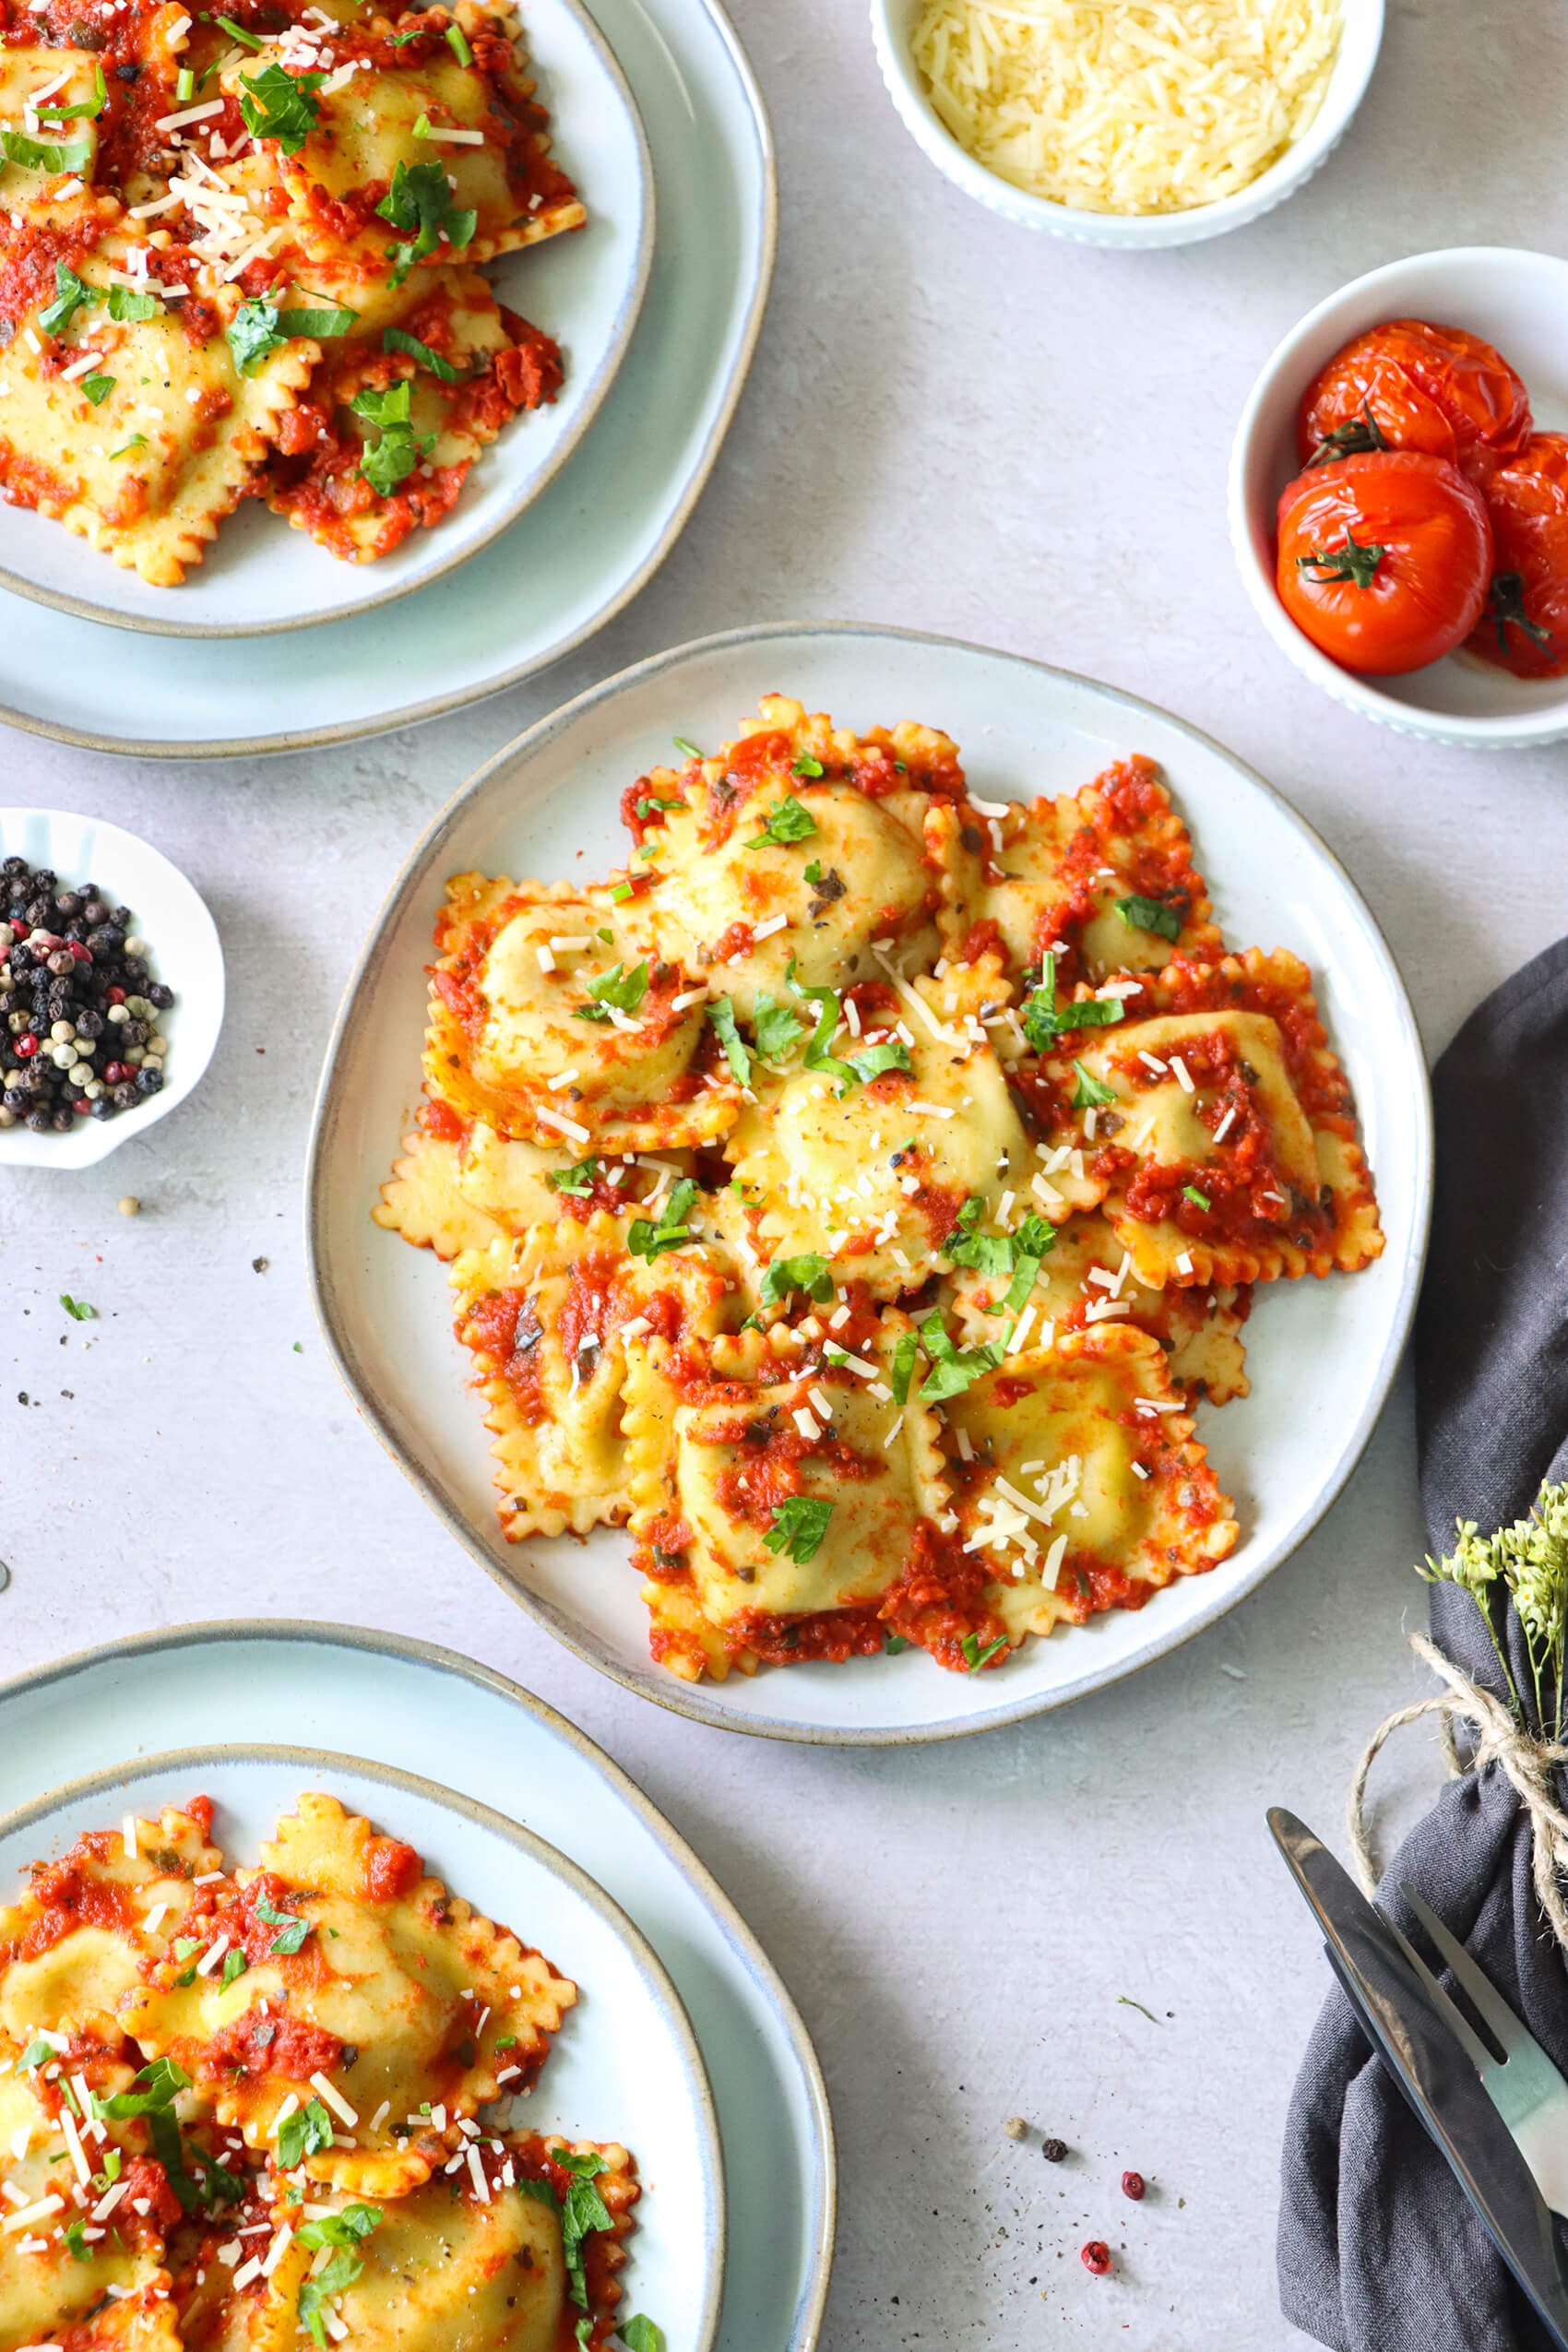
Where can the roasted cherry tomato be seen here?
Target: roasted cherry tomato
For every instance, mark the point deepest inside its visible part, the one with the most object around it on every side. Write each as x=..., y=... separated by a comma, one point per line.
x=1525, y=627
x=1410, y=386
x=1384, y=560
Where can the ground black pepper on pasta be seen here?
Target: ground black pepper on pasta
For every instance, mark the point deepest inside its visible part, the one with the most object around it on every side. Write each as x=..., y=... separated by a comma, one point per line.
x=78, y=1004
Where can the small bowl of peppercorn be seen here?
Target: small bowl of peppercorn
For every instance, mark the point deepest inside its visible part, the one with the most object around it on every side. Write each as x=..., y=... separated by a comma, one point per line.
x=111, y=988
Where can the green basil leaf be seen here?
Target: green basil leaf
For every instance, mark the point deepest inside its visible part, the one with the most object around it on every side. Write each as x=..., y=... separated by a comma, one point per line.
x=787, y=821
x=645, y=1240
x=778, y=1030
x=394, y=339
x=722, y=1015
x=70, y=293
x=579, y=1181
x=1090, y=1093
x=98, y=389
x=626, y=991
x=952, y=1368
x=302, y=2133
x=808, y=1273
x=70, y=156
x=320, y=322
x=252, y=333
x=1149, y=914
x=975, y=1656
x=275, y=104
x=893, y=1054
x=798, y=1527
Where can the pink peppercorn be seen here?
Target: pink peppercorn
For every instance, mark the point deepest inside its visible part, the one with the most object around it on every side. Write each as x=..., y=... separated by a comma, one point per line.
x=1132, y=2185
x=1096, y=2257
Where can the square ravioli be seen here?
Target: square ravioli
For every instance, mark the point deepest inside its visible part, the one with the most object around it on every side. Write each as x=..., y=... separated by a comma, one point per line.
x=1075, y=1475
x=547, y=1024
x=123, y=412
x=204, y=2178
x=1224, y=1129
x=1101, y=879
x=872, y=1282
x=773, y=1504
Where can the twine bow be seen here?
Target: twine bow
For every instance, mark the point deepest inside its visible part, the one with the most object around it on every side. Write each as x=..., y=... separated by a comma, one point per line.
x=1498, y=1738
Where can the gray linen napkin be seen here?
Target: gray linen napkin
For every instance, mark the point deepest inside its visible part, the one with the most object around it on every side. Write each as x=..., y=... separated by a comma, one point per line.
x=1378, y=2249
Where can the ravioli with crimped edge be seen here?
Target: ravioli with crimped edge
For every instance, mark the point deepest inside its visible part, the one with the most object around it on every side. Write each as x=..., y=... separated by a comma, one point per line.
x=239, y=259
x=855, y=1195
x=267, y=2107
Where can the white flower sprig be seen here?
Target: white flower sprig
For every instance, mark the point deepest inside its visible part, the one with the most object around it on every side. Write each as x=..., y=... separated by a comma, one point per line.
x=1530, y=1561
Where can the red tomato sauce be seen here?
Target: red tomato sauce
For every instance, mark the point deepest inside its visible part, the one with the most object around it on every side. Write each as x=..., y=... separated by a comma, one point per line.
x=70, y=1895
x=443, y=1124
x=505, y=1333
x=266, y=2042
x=390, y=1869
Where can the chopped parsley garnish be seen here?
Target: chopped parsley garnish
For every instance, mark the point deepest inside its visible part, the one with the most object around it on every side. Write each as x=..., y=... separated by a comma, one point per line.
x=813, y=872
x=293, y=1930
x=87, y=108
x=807, y=766
x=277, y=105
x=892, y=1642
x=235, y=1966
x=648, y=1241
x=126, y=307
x=974, y=1657
x=625, y=990
x=78, y=1309
x=392, y=457
x=952, y=1368
x=808, y=1273
x=316, y=2293
x=892, y=1054
x=70, y=293
x=799, y=1526
x=300, y=2134
x=583, y=2211
x=321, y=320
x=98, y=389
x=37, y=155
x=1149, y=914
x=722, y=1015
x=987, y=1253
x=222, y=2187
x=1199, y=1200
x=345, y=2229
x=682, y=746
x=420, y=199
x=1032, y=1244
x=1044, y=1019
x=458, y=45
x=253, y=332
x=787, y=821
x=1090, y=1093
x=578, y=1179
x=641, y=2335
x=778, y=1030
x=394, y=338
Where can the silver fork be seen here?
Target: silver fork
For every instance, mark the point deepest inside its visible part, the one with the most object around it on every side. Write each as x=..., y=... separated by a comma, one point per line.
x=1524, y=2085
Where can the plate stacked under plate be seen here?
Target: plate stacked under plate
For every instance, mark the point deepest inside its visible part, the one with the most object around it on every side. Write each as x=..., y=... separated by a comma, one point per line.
x=658, y=395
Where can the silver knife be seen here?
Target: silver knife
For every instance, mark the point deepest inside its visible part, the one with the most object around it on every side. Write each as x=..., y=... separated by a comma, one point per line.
x=1404, y=2025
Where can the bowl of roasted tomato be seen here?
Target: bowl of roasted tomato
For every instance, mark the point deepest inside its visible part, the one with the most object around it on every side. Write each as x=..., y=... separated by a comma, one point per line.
x=1399, y=495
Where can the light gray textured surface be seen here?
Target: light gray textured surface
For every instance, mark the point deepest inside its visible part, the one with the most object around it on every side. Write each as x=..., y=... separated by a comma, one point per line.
x=954, y=426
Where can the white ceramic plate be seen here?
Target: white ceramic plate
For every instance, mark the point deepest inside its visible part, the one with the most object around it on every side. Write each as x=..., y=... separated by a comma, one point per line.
x=185, y=950
x=893, y=26
x=583, y=549
x=1517, y=302
x=1320, y=1354
x=625, y=2065
x=623, y=2062
x=586, y=288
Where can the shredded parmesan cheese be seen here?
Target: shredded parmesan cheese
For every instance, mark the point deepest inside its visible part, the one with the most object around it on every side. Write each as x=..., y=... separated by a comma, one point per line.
x=1142, y=106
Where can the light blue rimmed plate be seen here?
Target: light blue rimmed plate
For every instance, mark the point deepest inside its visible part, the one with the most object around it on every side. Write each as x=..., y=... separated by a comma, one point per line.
x=583, y=549
x=505, y=1759
x=625, y=2063
x=1321, y=1355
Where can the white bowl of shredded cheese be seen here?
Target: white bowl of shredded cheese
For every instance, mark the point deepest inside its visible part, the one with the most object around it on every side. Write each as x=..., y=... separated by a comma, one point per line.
x=1135, y=123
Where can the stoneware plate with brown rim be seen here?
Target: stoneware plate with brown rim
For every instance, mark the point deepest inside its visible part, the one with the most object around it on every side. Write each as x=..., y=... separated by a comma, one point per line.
x=673, y=2062
x=585, y=545
x=585, y=288
x=1321, y=1355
